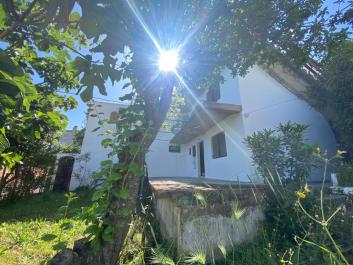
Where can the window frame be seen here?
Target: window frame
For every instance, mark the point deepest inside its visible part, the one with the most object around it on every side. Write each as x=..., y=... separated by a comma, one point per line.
x=216, y=142
x=176, y=150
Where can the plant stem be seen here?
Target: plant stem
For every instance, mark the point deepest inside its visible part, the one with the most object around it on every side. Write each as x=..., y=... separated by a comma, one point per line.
x=335, y=245
x=322, y=191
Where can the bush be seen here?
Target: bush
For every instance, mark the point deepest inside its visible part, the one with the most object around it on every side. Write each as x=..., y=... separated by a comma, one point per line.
x=282, y=151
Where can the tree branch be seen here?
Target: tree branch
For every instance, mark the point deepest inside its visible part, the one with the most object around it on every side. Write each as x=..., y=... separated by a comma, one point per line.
x=9, y=5
x=19, y=21
x=61, y=44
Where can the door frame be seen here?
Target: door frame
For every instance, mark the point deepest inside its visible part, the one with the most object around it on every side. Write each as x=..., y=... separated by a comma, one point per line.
x=63, y=173
x=201, y=159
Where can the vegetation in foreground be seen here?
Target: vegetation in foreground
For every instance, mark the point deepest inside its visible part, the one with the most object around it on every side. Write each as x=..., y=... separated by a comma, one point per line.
x=34, y=228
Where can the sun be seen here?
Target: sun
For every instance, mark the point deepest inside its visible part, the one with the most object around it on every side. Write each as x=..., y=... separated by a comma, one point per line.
x=168, y=61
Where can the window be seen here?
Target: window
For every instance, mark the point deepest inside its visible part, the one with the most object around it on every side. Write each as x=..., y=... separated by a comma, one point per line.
x=174, y=148
x=219, y=148
x=213, y=94
x=193, y=150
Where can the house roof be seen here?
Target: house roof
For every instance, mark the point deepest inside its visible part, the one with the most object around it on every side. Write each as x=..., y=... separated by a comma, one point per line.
x=202, y=118
x=295, y=80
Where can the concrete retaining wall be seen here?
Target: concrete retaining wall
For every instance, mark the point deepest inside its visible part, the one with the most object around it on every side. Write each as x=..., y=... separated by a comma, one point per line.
x=229, y=217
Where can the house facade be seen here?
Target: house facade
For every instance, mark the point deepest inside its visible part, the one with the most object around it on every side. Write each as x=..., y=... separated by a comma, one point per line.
x=211, y=143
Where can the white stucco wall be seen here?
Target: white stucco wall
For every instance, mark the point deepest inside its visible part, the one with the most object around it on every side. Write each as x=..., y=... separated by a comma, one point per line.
x=266, y=103
x=68, y=137
x=161, y=162
x=230, y=92
x=91, y=144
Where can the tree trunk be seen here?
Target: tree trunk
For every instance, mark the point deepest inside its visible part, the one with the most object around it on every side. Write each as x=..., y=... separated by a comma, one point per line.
x=83, y=254
x=2, y=181
x=110, y=251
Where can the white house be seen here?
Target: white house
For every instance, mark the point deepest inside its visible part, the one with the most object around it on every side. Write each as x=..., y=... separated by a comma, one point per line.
x=211, y=143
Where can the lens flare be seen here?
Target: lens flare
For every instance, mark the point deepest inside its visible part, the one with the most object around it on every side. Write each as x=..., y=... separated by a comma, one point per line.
x=168, y=61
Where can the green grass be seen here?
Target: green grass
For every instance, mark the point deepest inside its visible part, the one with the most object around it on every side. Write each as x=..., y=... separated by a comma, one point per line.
x=25, y=226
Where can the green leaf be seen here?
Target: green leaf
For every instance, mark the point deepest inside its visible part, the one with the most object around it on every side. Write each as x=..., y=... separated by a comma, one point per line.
x=127, y=96
x=122, y=193
x=97, y=195
x=81, y=64
x=87, y=24
x=99, y=175
x=93, y=230
x=4, y=143
x=106, y=163
x=96, y=244
x=62, y=209
x=106, y=142
x=108, y=234
x=2, y=16
x=115, y=176
x=87, y=94
x=60, y=246
x=37, y=134
x=55, y=117
x=66, y=225
x=126, y=85
x=48, y=237
x=95, y=129
x=134, y=148
x=74, y=16
x=8, y=65
x=125, y=212
x=135, y=169
x=9, y=87
x=2, y=250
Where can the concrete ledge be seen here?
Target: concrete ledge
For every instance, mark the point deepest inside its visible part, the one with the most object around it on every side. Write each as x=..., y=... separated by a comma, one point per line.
x=201, y=217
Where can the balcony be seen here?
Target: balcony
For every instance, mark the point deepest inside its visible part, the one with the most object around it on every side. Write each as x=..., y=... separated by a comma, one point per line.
x=202, y=119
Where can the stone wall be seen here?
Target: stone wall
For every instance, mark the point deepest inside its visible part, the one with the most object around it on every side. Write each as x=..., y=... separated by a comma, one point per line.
x=203, y=217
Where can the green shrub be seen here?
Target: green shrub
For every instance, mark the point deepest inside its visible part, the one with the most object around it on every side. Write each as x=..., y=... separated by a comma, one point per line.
x=345, y=175
x=282, y=151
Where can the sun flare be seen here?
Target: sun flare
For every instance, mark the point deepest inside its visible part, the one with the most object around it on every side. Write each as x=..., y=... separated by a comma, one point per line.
x=168, y=61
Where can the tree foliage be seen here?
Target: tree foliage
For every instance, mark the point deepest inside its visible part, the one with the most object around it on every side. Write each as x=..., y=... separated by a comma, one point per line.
x=332, y=93
x=30, y=126
x=30, y=117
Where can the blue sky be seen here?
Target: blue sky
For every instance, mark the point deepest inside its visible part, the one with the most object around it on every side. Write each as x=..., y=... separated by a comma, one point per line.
x=77, y=116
